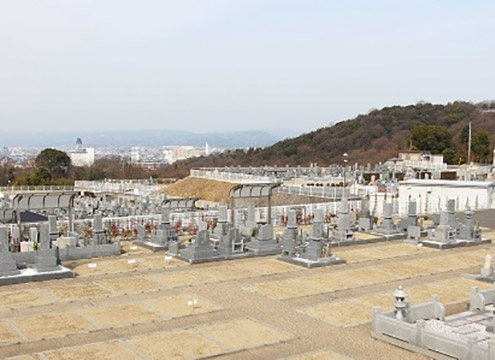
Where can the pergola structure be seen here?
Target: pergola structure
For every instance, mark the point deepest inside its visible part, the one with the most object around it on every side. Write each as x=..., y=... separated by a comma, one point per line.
x=181, y=203
x=43, y=201
x=253, y=191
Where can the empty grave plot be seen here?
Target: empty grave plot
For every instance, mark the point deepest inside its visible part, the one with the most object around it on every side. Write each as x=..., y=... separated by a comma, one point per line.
x=126, y=249
x=423, y=293
x=174, y=345
x=182, y=305
x=352, y=256
x=367, y=276
x=159, y=262
x=229, y=272
x=462, y=285
x=364, y=236
x=340, y=313
x=283, y=289
x=319, y=355
x=242, y=334
x=7, y=334
x=181, y=278
x=52, y=325
x=22, y=298
x=404, y=269
x=130, y=284
x=440, y=263
x=102, y=351
x=122, y=264
x=120, y=315
x=473, y=258
x=26, y=357
x=395, y=250
x=385, y=301
x=71, y=291
x=323, y=282
x=269, y=266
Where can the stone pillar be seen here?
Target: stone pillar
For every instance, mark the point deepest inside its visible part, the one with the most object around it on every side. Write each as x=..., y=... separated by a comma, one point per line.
x=98, y=233
x=52, y=227
x=290, y=235
x=164, y=216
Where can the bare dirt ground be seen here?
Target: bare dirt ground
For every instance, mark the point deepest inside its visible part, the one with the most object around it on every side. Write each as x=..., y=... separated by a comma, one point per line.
x=256, y=308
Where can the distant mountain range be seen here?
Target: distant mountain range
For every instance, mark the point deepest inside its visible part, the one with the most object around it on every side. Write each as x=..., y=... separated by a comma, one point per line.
x=235, y=139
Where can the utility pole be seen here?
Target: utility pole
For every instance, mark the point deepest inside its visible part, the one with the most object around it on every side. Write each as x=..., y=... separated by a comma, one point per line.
x=469, y=145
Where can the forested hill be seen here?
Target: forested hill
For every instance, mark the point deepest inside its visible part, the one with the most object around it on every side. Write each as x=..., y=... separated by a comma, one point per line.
x=374, y=137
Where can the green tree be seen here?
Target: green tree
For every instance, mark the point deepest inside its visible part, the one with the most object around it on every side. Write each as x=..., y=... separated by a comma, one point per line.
x=56, y=162
x=450, y=156
x=465, y=135
x=431, y=138
x=480, y=145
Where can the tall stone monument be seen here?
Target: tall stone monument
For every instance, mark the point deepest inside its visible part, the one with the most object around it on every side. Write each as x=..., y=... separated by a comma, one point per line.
x=365, y=222
x=45, y=258
x=98, y=233
x=388, y=227
x=344, y=231
x=290, y=235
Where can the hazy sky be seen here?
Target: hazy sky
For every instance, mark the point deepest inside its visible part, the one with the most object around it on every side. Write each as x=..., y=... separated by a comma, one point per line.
x=210, y=65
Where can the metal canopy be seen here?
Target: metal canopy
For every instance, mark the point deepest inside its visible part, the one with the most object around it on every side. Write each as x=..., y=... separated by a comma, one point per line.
x=183, y=203
x=255, y=190
x=39, y=201
x=249, y=191
x=6, y=214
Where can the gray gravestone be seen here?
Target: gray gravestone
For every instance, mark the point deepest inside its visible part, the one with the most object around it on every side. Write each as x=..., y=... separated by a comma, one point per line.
x=8, y=265
x=45, y=258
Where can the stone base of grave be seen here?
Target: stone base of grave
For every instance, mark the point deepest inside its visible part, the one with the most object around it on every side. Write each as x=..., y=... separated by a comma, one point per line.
x=8, y=266
x=194, y=255
x=203, y=258
x=89, y=251
x=29, y=275
x=328, y=261
x=264, y=247
x=451, y=245
x=393, y=236
x=151, y=245
x=388, y=232
x=154, y=246
x=379, y=238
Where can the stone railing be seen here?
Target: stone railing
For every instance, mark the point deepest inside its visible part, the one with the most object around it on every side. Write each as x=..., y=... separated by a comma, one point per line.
x=413, y=334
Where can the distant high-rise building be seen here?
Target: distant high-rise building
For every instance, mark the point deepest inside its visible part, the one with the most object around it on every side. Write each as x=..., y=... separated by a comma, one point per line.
x=207, y=149
x=81, y=156
x=135, y=155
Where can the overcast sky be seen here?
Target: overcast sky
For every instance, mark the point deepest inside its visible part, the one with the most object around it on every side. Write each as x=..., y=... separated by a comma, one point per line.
x=210, y=65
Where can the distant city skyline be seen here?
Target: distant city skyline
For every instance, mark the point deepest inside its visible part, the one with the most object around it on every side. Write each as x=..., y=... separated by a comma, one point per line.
x=218, y=66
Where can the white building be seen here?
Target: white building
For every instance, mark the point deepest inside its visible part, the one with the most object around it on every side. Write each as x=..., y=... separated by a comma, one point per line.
x=417, y=160
x=432, y=195
x=135, y=155
x=82, y=156
x=186, y=152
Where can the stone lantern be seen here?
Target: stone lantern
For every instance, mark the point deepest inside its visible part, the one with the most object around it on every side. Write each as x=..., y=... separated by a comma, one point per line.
x=401, y=305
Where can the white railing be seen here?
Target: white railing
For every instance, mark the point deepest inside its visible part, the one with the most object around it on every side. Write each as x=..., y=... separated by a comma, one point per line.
x=231, y=177
x=328, y=192
x=130, y=187
x=32, y=188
